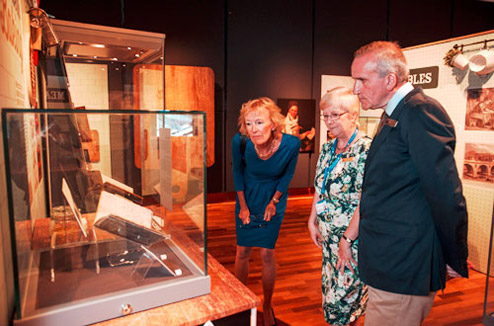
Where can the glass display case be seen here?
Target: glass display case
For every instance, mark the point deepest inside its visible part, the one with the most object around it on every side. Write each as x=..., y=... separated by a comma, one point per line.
x=107, y=211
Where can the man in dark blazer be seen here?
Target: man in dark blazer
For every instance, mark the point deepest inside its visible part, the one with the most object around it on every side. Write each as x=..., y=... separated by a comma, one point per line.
x=413, y=218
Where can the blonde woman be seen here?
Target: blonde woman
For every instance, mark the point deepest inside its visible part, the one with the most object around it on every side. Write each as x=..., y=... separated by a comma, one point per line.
x=262, y=169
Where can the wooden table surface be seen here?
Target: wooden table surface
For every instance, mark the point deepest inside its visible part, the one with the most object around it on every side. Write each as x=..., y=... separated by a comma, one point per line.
x=228, y=296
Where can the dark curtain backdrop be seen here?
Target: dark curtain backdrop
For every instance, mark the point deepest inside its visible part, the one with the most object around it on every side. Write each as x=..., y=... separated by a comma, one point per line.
x=276, y=48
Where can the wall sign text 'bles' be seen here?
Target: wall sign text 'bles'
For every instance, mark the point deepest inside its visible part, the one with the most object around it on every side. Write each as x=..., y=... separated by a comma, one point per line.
x=424, y=77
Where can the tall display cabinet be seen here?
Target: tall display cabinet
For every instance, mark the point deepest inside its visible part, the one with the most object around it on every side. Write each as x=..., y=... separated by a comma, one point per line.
x=106, y=189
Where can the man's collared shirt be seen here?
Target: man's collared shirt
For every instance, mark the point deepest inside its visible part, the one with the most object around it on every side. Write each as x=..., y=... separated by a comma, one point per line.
x=397, y=97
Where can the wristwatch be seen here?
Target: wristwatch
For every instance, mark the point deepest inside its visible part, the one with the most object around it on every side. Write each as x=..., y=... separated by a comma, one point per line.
x=275, y=201
x=350, y=241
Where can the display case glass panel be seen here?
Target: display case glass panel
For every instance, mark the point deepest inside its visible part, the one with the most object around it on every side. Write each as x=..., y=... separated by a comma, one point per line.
x=99, y=67
x=92, y=238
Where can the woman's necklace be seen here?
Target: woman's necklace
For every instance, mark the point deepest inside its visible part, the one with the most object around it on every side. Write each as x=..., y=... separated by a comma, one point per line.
x=339, y=149
x=342, y=147
x=270, y=151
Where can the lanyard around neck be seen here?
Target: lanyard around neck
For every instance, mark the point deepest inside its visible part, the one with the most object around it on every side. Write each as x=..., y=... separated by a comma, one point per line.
x=330, y=168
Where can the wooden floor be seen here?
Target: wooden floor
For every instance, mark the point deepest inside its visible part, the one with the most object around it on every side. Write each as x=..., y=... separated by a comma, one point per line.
x=297, y=296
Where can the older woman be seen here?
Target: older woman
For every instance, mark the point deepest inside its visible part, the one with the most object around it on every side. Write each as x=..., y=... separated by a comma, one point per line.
x=334, y=218
x=263, y=166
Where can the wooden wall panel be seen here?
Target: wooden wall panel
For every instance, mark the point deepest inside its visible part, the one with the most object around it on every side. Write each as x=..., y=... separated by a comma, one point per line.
x=192, y=89
x=186, y=89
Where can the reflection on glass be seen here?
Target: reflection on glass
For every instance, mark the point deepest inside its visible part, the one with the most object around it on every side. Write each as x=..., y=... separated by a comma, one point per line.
x=87, y=228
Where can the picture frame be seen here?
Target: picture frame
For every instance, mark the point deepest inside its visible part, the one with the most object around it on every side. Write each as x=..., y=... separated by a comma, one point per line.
x=300, y=121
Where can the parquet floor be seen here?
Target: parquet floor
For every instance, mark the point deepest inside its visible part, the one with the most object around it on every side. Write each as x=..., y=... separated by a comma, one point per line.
x=297, y=296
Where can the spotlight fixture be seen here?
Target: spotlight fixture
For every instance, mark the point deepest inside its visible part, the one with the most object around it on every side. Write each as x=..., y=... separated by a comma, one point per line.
x=40, y=19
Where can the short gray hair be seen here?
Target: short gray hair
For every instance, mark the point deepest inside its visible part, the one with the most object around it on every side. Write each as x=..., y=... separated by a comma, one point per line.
x=388, y=58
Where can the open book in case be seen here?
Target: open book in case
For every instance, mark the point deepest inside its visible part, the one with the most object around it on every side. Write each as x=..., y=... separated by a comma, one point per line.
x=100, y=236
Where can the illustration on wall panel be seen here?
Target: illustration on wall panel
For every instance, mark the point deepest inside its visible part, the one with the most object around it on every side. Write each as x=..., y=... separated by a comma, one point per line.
x=478, y=164
x=480, y=109
x=300, y=121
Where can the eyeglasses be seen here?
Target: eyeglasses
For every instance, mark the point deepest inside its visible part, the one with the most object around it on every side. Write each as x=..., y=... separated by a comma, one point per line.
x=333, y=116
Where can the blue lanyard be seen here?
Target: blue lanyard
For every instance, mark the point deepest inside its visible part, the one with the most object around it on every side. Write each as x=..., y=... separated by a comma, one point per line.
x=330, y=168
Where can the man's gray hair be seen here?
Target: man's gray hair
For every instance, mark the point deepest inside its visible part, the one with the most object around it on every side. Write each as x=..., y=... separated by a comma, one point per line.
x=388, y=58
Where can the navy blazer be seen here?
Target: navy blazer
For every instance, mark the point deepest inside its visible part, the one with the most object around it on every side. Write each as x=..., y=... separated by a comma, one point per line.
x=413, y=213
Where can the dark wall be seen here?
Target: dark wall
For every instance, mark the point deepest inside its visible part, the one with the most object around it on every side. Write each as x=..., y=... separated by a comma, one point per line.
x=276, y=48
x=269, y=53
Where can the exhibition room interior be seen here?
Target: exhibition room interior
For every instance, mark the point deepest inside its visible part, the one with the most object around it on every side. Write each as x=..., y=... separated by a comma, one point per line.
x=94, y=92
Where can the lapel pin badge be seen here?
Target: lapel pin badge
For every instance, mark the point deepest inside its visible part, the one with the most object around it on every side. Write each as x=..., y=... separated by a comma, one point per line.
x=392, y=123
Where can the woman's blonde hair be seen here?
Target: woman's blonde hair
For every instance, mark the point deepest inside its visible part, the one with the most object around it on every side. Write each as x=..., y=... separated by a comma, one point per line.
x=258, y=104
x=342, y=98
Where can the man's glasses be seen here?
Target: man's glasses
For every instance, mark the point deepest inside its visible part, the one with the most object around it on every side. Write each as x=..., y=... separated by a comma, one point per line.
x=333, y=116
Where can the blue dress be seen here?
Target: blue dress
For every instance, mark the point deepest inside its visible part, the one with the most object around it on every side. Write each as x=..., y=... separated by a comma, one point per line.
x=259, y=180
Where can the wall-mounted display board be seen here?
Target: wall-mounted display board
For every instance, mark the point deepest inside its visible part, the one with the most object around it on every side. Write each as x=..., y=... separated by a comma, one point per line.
x=468, y=97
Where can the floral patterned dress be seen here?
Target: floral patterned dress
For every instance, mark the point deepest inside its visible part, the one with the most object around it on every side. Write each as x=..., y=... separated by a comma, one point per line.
x=344, y=296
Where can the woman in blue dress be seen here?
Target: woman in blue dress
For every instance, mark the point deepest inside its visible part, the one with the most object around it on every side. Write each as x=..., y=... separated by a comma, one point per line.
x=263, y=165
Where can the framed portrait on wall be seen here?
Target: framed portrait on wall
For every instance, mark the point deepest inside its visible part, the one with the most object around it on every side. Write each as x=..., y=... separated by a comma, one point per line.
x=300, y=121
